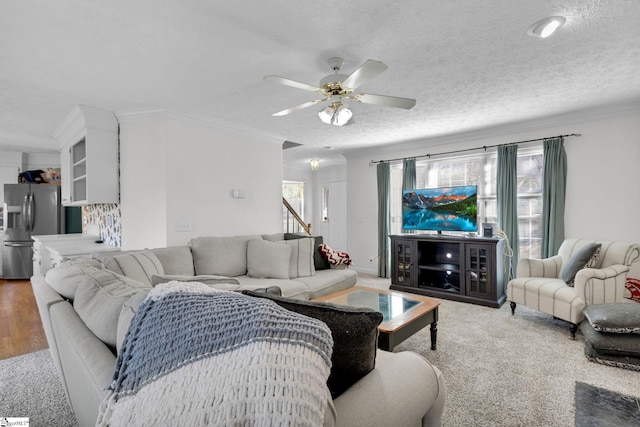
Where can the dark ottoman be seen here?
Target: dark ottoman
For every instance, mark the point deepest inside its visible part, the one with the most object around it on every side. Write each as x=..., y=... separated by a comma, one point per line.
x=612, y=334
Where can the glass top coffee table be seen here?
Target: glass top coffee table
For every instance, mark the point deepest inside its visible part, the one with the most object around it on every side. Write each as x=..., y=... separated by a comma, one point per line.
x=403, y=314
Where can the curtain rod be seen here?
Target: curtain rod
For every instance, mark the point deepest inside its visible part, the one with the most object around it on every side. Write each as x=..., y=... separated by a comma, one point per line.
x=484, y=147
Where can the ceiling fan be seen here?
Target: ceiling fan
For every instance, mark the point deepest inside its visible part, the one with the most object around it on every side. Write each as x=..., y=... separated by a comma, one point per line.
x=337, y=87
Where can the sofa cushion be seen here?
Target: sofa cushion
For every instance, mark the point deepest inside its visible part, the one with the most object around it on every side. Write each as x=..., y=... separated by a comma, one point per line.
x=292, y=288
x=319, y=261
x=223, y=256
x=273, y=237
x=128, y=310
x=99, y=300
x=137, y=265
x=269, y=260
x=325, y=282
x=622, y=318
x=355, y=337
x=301, y=260
x=206, y=279
x=66, y=277
x=583, y=257
x=176, y=260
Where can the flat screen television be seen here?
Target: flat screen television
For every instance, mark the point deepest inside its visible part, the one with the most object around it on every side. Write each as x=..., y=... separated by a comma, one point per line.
x=441, y=209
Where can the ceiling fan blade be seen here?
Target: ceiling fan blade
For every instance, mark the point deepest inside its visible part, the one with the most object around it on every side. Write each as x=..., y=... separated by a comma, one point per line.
x=292, y=83
x=389, y=101
x=298, y=107
x=366, y=72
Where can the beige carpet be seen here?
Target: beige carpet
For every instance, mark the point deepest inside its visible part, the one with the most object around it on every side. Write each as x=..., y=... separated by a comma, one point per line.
x=504, y=370
x=500, y=370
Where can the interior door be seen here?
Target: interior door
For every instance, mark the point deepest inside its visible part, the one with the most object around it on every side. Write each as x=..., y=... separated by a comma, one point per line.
x=337, y=215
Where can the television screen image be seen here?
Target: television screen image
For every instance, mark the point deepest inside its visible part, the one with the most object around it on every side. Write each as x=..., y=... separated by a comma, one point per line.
x=440, y=209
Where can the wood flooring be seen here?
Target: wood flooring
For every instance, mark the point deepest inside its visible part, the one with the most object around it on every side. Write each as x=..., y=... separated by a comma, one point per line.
x=21, y=329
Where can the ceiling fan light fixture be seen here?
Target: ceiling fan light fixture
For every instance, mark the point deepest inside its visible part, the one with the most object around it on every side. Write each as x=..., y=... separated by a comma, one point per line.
x=342, y=115
x=326, y=114
x=547, y=26
x=336, y=114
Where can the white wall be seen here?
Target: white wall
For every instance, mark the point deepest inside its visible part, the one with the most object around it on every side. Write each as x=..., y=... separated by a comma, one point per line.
x=603, y=195
x=182, y=170
x=43, y=160
x=143, y=181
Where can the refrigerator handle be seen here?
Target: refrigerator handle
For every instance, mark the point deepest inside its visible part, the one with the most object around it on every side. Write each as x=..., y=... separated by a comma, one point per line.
x=25, y=212
x=32, y=211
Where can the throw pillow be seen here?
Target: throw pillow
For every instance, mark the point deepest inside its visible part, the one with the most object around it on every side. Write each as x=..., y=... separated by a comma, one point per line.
x=206, y=279
x=335, y=257
x=66, y=277
x=176, y=260
x=137, y=265
x=578, y=260
x=355, y=337
x=99, y=300
x=319, y=261
x=620, y=318
x=621, y=345
x=222, y=256
x=268, y=260
x=301, y=261
x=632, y=289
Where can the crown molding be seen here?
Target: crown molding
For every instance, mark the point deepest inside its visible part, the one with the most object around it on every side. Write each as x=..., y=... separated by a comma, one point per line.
x=145, y=114
x=564, y=119
x=81, y=118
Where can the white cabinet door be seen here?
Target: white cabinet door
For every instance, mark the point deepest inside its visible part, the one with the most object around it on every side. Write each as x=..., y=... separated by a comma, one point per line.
x=8, y=175
x=89, y=157
x=65, y=173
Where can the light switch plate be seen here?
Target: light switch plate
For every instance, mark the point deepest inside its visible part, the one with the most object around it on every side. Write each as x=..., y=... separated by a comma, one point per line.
x=184, y=224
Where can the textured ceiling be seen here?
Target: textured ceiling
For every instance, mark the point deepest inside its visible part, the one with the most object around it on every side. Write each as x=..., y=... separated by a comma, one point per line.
x=469, y=64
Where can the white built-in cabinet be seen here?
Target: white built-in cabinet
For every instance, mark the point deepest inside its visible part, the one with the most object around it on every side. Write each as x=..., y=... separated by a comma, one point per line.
x=89, y=157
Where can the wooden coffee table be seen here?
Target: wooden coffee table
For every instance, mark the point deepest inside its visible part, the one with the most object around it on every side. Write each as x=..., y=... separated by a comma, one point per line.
x=403, y=313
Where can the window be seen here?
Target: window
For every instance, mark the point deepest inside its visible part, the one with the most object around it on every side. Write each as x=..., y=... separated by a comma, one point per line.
x=480, y=170
x=293, y=192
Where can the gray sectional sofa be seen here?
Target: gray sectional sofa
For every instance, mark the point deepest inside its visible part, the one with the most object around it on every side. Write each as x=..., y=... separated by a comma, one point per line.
x=86, y=306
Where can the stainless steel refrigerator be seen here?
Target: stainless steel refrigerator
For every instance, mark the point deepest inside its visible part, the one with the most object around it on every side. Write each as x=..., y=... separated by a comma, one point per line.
x=29, y=209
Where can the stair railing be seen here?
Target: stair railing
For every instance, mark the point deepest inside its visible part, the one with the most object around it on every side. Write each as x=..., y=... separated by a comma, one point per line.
x=293, y=223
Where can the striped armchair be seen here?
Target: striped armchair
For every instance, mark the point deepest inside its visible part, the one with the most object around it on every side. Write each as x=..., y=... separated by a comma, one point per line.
x=539, y=284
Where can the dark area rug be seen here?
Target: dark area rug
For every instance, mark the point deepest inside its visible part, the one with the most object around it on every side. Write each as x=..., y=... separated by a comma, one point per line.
x=596, y=406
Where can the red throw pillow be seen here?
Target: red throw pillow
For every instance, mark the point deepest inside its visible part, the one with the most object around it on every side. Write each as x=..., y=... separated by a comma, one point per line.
x=334, y=257
x=633, y=286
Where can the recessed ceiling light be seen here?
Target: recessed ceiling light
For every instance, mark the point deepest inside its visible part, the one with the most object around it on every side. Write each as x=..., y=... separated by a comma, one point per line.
x=547, y=26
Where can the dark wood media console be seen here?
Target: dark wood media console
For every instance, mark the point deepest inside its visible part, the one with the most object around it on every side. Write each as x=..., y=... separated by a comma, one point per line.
x=468, y=269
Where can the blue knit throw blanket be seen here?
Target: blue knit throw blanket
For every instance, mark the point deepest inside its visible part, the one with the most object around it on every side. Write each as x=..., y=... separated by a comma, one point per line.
x=198, y=356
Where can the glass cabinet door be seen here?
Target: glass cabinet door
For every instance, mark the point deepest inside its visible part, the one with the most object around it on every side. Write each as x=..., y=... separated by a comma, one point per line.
x=478, y=277
x=403, y=253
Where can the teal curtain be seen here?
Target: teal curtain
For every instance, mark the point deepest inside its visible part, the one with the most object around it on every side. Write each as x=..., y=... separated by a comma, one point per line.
x=409, y=180
x=554, y=185
x=507, y=192
x=408, y=174
x=384, y=217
